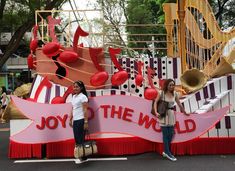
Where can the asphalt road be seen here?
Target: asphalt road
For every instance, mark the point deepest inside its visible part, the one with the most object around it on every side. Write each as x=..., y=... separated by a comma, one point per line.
x=140, y=162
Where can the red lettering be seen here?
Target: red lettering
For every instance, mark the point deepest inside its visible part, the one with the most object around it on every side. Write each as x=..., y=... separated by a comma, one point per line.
x=117, y=112
x=105, y=107
x=190, y=126
x=144, y=119
x=42, y=126
x=191, y=122
x=127, y=114
x=177, y=127
x=54, y=121
x=63, y=120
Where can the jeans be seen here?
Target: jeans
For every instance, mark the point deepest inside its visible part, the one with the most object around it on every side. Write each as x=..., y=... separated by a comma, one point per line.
x=78, y=131
x=167, y=132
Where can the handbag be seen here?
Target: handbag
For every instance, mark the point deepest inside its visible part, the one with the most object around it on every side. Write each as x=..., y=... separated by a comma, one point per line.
x=162, y=106
x=88, y=148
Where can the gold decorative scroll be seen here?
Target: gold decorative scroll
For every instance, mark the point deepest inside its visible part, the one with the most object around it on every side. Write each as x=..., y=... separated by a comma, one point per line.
x=218, y=37
x=170, y=16
x=210, y=20
x=197, y=35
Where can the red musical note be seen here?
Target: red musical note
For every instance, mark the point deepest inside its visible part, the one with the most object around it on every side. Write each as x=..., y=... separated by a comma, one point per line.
x=100, y=77
x=121, y=76
x=79, y=32
x=59, y=99
x=44, y=83
x=34, y=42
x=150, y=93
x=30, y=61
x=51, y=49
x=139, y=78
x=35, y=31
x=51, y=24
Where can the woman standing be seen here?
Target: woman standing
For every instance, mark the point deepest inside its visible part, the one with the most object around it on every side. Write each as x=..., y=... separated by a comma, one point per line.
x=167, y=122
x=78, y=117
x=4, y=102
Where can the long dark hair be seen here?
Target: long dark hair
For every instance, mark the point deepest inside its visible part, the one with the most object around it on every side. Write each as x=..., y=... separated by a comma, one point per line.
x=82, y=87
x=166, y=83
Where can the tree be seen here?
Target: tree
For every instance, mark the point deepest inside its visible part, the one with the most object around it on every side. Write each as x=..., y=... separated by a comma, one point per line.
x=131, y=12
x=119, y=13
x=18, y=17
x=149, y=13
x=224, y=12
x=114, y=12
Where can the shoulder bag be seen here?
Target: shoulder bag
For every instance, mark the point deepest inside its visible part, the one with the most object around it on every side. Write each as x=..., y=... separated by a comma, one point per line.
x=88, y=148
x=162, y=106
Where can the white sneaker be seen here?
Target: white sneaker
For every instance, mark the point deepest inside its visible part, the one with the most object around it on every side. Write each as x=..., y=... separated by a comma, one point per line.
x=172, y=158
x=164, y=154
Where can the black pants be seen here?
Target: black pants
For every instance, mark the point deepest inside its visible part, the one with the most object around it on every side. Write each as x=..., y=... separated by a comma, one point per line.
x=78, y=131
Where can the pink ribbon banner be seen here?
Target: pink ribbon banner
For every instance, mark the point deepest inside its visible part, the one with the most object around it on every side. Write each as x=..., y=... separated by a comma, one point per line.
x=108, y=114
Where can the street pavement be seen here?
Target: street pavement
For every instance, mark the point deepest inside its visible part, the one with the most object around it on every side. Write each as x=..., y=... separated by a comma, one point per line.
x=138, y=162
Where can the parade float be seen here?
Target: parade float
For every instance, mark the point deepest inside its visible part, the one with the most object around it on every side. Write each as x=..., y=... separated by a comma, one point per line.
x=121, y=89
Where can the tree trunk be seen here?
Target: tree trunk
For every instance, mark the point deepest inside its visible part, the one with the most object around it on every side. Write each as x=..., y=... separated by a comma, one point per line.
x=18, y=35
x=15, y=41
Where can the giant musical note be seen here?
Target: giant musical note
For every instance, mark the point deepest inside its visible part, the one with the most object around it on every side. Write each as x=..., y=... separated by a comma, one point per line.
x=51, y=24
x=100, y=77
x=79, y=32
x=121, y=76
x=139, y=77
x=150, y=93
x=34, y=42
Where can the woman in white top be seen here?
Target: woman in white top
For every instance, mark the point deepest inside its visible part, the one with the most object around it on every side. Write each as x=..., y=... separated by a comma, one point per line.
x=78, y=117
x=167, y=122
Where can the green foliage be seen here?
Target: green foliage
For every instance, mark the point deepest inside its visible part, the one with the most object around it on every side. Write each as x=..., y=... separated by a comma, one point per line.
x=224, y=12
x=17, y=17
x=14, y=15
x=145, y=12
x=17, y=12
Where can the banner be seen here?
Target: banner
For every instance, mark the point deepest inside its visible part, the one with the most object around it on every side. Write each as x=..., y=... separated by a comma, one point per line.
x=108, y=114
